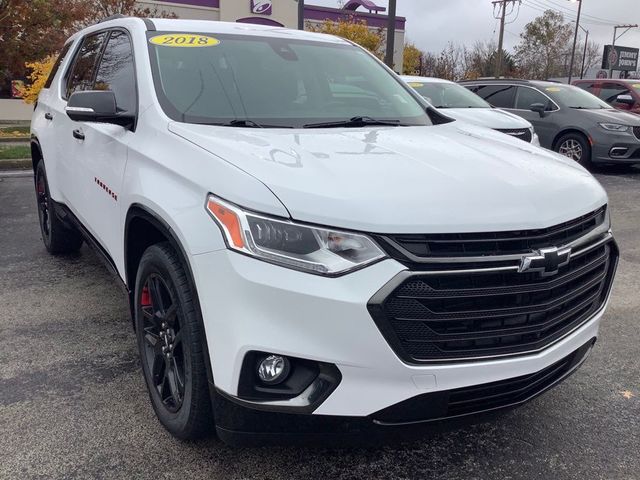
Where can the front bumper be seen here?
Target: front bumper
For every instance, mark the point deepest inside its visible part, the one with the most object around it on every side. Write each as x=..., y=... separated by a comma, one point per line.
x=612, y=147
x=248, y=305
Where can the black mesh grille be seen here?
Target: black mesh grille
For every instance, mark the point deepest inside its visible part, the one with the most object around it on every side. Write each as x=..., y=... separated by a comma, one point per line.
x=636, y=132
x=521, y=133
x=497, y=243
x=462, y=316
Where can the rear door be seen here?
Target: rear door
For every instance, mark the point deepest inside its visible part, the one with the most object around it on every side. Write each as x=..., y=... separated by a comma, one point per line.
x=47, y=117
x=101, y=150
x=500, y=96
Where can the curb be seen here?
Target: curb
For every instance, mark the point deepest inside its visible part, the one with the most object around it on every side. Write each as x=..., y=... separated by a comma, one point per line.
x=16, y=164
x=15, y=140
x=15, y=174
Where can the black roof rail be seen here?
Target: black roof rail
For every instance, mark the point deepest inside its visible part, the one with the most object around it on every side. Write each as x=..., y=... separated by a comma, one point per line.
x=112, y=17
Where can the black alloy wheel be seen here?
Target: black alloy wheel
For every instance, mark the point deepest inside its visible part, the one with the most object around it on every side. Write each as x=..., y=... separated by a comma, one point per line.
x=164, y=353
x=58, y=238
x=172, y=345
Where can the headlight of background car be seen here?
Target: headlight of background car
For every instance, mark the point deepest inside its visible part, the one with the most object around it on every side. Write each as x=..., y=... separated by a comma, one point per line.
x=614, y=127
x=312, y=249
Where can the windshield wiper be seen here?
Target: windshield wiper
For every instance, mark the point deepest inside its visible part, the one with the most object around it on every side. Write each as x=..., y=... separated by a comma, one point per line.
x=246, y=123
x=360, y=121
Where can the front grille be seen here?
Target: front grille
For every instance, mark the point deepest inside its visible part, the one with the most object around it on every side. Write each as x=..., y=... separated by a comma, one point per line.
x=498, y=243
x=484, y=397
x=438, y=316
x=521, y=133
x=636, y=132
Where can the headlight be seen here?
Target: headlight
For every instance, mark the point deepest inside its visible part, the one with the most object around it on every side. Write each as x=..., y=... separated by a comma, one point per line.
x=614, y=127
x=311, y=249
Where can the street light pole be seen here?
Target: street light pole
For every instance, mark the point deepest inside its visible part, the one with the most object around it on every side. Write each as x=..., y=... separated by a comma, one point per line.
x=575, y=41
x=300, y=14
x=584, y=54
x=615, y=38
x=391, y=34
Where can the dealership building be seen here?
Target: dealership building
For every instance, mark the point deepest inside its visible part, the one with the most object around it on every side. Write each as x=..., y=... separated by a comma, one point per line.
x=283, y=13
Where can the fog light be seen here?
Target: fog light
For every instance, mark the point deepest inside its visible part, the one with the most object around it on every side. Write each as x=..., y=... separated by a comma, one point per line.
x=273, y=369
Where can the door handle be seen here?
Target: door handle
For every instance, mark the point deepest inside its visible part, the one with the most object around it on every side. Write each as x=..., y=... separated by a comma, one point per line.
x=77, y=133
x=48, y=116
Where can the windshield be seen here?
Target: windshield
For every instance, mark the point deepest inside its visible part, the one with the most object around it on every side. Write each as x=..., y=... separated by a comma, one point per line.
x=574, y=97
x=275, y=82
x=448, y=95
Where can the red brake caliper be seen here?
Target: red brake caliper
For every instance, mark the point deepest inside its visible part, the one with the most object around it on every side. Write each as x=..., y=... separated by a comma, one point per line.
x=145, y=299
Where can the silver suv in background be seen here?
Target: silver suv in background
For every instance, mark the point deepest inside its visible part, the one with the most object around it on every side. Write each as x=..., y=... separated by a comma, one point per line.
x=457, y=102
x=568, y=120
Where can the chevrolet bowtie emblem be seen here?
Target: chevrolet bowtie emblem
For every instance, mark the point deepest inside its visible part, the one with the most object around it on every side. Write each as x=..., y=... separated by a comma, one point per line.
x=547, y=261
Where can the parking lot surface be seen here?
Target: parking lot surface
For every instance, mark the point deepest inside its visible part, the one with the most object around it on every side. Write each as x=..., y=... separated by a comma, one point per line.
x=73, y=403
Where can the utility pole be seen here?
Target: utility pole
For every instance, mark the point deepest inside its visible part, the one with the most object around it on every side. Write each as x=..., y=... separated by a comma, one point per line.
x=575, y=41
x=300, y=14
x=391, y=34
x=616, y=37
x=503, y=17
x=584, y=53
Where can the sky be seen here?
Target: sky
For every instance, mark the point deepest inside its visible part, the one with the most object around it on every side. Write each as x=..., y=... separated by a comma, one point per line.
x=431, y=24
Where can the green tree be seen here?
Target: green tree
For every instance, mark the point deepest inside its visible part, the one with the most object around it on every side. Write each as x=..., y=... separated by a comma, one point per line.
x=356, y=31
x=412, y=59
x=543, y=46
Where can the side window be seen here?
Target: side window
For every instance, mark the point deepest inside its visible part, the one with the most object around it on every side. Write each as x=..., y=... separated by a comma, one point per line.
x=528, y=96
x=56, y=66
x=610, y=91
x=589, y=87
x=501, y=96
x=116, y=71
x=84, y=66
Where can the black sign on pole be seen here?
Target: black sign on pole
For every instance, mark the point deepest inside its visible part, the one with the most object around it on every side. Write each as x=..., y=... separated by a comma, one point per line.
x=624, y=59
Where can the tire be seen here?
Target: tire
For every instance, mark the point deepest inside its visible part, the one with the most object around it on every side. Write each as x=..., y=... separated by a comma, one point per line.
x=576, y=147
x=169, y=333
x=58, y=238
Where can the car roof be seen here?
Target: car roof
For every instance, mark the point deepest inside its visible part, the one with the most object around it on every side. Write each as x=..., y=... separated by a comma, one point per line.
x=414, y=78
x=210, y=27
x=236, y=28
x=514, y=81
x=603, y=80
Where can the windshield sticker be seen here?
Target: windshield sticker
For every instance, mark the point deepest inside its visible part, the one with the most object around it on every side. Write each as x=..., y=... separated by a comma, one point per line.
x=182, y=40
x=416, y=84
x=636, y=85
x=553, y=89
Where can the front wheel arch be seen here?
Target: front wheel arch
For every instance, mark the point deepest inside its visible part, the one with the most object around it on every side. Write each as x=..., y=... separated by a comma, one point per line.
x=156, y=230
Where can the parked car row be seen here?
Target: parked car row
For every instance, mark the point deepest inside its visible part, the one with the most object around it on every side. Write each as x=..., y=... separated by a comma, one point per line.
x=575, y=122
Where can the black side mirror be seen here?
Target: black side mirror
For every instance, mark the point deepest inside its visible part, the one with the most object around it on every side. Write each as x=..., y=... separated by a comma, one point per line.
x=540, y=108
x=97, y=106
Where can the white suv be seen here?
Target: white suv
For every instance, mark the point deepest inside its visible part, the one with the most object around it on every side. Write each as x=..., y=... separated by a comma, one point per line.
x=301, y=236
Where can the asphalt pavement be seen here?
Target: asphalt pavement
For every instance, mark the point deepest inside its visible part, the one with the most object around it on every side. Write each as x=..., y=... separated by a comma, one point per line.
x=73, y=403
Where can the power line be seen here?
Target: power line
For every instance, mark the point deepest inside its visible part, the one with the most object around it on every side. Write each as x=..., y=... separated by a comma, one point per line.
x=503, y=17
x=543, y=8
x=584, y=14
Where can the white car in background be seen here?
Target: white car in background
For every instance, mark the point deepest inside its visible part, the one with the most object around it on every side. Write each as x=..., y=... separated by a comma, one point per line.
x=466, y=106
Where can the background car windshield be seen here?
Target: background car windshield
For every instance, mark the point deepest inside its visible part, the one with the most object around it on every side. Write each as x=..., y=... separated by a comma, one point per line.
x=278, y=83
x=447, y=95
x=574, y=97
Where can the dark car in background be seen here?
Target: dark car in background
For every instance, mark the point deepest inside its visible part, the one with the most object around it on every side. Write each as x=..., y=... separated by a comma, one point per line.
x=620, y=94
x=568, y=120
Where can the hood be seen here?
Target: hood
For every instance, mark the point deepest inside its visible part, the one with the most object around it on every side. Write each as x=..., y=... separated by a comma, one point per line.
x=613, y=116
x=487, y=117
x=441, y=179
